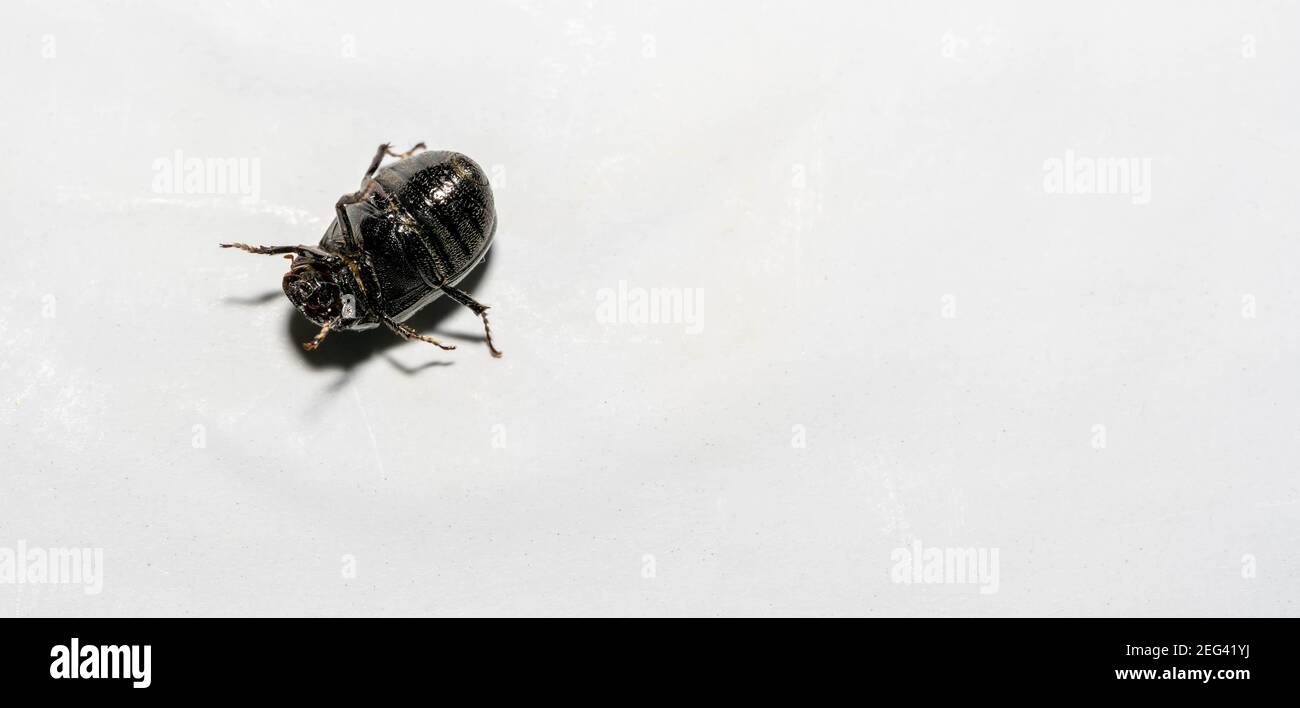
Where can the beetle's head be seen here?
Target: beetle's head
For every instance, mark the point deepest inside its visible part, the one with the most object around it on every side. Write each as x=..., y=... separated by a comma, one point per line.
x=324, y=291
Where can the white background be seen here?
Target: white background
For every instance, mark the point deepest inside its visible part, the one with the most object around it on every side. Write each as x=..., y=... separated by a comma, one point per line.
x=856, y=188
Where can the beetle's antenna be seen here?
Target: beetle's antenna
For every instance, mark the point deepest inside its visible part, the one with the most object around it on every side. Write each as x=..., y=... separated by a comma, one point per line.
x=320, y=336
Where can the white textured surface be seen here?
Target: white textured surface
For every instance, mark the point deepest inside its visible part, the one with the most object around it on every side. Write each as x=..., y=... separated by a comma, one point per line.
x=825, y=175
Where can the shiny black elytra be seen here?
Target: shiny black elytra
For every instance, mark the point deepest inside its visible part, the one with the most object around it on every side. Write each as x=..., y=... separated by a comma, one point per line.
x=410, y=234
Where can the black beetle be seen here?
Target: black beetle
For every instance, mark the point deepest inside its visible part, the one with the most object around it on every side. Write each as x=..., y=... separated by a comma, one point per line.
x=413, y=230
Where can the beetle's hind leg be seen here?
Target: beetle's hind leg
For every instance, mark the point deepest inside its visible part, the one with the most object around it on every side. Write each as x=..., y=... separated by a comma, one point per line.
x=407, y=333
x=477, y=308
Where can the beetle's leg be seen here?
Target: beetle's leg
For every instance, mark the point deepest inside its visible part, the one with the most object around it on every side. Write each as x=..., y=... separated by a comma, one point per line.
x=276, y=250
x=368, y=185
x=384, y=149
x=341, y=212
x=408, y=333
x=320, y=336
x=479, y=309
x=403, y=155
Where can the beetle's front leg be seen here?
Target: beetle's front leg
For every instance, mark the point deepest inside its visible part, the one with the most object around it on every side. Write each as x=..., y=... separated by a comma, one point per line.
x=403, y=155
x=276, y=250
x=368, y=186
x=386, y=150
x=383, y=150
x=341, y=211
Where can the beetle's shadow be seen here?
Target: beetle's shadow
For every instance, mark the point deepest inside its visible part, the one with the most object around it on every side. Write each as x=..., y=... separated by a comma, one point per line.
x=347, y=350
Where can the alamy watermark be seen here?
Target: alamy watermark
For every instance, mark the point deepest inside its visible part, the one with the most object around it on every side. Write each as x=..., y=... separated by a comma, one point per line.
x=633, y=305
x=53, y=566
x=178, y=174
x=935, y=565
x=1078, y=174
x=103, y=661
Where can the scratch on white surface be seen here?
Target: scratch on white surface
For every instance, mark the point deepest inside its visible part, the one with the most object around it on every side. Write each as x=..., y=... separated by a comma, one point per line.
x=374, y=443
x=1197, y=512
x=1161, y=519
x=255, y=402
x=288, y=214
x=609, y=341
x=895, y=514
x=1269, y=505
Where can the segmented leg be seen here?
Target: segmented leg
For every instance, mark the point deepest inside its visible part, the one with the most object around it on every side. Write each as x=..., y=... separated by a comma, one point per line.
x=408, y=333
x=403, y=155
x=374, y=164
x=341, y=212
x=320, y=336
x=276, y=250
x=386, y=150
x=477, y=308
x=368, y=186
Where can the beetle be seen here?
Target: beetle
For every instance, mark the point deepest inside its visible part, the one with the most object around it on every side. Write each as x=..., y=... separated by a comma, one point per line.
x=412, y=231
